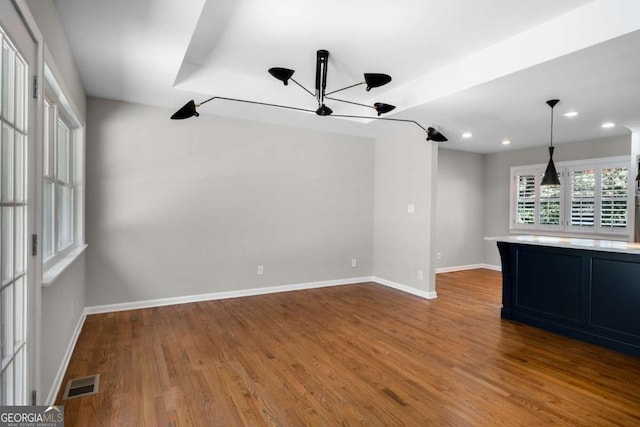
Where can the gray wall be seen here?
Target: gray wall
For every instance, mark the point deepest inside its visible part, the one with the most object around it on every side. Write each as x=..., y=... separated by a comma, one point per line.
x=460, y=209
x=405, y=173
x=62, y=306
x=178, y=208
x=497, y=170
x=58, y=319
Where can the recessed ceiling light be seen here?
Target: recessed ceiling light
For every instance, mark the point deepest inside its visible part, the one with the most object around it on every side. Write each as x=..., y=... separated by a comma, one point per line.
x=570, y=114
x=505, y=142
x=467, y=135
x=608, y=125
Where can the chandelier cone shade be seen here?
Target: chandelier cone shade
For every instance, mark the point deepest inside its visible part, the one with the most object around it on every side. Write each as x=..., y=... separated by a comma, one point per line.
x=188, y=110
x=376, y=80
x=382, y=108
x=282, y=74
x=434, y=135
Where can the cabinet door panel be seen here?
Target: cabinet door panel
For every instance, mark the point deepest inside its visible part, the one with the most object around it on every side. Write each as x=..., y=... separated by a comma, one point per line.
x=549, y=282
x=615, y=295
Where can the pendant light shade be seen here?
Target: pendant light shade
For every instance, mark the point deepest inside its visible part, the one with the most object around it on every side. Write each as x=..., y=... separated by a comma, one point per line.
x=188, y=110
x=550, y=174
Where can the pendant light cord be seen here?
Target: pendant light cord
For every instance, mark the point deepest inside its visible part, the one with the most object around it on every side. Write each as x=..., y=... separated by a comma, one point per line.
x=552, y=126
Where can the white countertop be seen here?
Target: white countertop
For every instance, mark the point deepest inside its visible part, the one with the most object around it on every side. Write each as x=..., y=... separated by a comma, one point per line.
x=573, y=243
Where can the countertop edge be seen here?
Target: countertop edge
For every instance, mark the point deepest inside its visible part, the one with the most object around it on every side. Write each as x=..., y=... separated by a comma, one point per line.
x=572, y=243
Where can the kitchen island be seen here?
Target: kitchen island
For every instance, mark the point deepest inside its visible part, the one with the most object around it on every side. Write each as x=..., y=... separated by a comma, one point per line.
x=583, y=288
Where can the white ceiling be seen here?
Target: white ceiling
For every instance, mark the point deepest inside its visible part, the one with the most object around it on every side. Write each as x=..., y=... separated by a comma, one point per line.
x=486, y=67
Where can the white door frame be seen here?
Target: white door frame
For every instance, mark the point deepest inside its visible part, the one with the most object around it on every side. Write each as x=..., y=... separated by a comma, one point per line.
x=34, y=195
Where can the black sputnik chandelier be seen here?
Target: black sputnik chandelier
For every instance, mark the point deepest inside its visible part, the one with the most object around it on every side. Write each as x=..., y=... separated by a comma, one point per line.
x=371, y=80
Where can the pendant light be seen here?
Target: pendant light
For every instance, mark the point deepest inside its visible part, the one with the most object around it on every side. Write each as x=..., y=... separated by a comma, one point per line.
x=551, y=175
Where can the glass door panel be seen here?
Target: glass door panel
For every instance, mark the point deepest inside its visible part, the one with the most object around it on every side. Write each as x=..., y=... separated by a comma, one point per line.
x=14, y=227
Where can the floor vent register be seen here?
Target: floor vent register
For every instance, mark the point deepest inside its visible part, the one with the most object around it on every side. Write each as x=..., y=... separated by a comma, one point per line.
x=82, y=387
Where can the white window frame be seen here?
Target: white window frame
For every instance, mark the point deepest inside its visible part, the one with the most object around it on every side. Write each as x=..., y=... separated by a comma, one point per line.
x=565, y=227
x=54, y=120
x=63, y=256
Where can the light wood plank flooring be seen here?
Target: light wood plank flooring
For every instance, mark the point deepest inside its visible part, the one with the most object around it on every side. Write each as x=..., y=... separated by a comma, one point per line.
x=347, y=355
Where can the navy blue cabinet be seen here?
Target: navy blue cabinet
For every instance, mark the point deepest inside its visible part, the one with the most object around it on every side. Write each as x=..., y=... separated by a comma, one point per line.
x=585, y=294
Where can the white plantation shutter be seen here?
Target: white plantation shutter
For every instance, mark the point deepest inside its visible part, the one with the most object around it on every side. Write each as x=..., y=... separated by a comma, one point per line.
x=613, y=196
x=592, y=197
x=550, y=205
x=583, y=192
x=526, y=199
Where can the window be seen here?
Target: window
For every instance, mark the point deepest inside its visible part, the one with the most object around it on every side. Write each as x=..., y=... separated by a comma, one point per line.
x=62, y=172
x=592, y=198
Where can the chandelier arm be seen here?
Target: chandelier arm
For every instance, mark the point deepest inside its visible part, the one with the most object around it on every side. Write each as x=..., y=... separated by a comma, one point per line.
x=344, y=88
x=189, y=111
x=381, y=118
x=304, y=88
x=350, y=102
x=256, y=103
x=207, y=100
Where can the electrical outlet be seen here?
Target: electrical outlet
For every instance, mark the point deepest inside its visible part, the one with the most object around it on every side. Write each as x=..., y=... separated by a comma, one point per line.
x=260, y=270
x=439, y=255
x=420, y=275
x=354, y=262
x=411, y=208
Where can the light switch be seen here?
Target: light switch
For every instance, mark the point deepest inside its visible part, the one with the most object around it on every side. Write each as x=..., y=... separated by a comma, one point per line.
x=411, y=208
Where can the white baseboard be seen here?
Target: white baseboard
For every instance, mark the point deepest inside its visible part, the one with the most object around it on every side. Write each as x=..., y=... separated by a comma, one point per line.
x=57, y=381
x=109, y=308
x=405, y=288
x=468, y=267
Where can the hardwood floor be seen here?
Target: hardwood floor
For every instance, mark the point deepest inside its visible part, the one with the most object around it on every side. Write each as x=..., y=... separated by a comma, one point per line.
x=347, y=355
